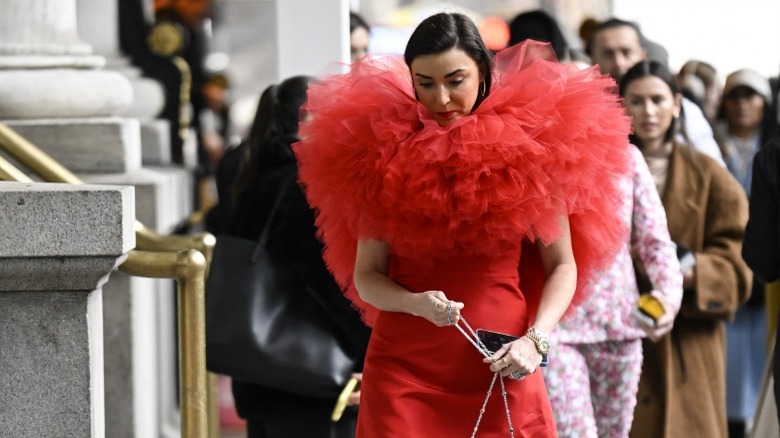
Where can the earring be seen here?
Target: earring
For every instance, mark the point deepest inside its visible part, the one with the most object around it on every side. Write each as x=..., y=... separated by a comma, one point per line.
x=484, y=88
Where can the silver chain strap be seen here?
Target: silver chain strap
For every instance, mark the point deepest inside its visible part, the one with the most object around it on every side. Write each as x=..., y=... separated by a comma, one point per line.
x=472, y=337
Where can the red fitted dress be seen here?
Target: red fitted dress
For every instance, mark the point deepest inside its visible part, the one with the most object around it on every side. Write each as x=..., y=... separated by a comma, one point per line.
x=455, y=205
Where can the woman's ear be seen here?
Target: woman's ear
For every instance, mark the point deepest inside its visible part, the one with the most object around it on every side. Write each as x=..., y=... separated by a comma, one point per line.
x=677, y=104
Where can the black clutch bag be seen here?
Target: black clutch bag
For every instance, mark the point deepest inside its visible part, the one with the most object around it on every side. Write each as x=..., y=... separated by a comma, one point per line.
x=493, y=341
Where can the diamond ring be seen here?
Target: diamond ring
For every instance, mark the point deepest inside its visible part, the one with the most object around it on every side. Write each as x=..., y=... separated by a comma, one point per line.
x=448, y=311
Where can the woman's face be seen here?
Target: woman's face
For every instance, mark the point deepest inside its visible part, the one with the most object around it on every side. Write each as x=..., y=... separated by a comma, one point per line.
x=652, y=108
x=447, y=84
x=358, y=43
x=744, y=108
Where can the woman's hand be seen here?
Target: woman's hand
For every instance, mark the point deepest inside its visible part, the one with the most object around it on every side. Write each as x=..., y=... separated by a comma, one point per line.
x=519, y=356
x=434, y=306
x=689, y=279
x=354, y=397
x=377, y=289
x=665, y=323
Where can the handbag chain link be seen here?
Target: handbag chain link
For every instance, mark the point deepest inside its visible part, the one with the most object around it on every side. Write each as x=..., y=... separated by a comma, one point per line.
x=472, y=337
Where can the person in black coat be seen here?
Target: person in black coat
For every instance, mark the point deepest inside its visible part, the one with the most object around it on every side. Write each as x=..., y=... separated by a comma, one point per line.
x=249, y=178
x=761, y=247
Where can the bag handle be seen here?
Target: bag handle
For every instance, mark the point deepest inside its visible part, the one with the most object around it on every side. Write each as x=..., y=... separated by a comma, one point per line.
x=266, y=233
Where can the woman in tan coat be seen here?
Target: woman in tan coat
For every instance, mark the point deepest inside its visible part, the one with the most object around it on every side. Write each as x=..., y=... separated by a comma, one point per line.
x=682, y=387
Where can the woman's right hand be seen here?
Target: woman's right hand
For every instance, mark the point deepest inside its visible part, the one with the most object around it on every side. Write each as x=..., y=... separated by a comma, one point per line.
x=665, y=323
x=433, y=306
x=376, y=288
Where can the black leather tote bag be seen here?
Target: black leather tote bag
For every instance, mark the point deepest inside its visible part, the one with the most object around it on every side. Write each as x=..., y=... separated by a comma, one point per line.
x=264, y=327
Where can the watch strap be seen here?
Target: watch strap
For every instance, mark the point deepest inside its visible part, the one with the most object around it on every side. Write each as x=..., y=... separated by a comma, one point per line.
x=538, y=339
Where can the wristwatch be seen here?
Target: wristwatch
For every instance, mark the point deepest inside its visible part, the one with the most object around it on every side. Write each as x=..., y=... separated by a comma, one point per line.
x=541, y=342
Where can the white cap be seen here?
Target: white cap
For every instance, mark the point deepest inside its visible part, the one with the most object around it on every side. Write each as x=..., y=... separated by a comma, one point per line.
x=751, y=79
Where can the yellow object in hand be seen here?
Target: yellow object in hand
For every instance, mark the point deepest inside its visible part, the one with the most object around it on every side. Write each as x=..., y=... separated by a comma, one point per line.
x=651, y=306
x=341, y=402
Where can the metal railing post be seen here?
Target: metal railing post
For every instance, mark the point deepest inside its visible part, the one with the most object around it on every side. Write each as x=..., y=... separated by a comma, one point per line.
x=188, y=267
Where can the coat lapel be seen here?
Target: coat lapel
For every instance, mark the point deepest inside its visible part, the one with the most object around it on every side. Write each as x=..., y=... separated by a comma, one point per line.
x=681, y=196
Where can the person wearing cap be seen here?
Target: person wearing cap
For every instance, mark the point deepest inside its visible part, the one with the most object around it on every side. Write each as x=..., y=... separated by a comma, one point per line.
x=745, y=122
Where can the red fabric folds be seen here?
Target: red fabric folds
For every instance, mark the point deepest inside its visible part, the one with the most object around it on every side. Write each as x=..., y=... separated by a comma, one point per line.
x=549, y=139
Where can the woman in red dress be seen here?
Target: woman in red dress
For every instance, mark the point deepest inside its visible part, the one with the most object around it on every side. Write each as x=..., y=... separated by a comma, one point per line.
x=459, y=190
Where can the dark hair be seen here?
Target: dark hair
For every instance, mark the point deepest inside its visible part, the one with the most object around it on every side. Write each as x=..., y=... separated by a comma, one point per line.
x=273, y=130
x=538, y=25
x=356, y=22
x=644, y=69
x=611, y=24
x=444, y=31
x=586, y=29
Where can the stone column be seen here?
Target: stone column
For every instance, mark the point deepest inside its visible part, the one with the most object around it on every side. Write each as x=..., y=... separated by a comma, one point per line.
x=58, y=245
x=47, y=71
x=50, y=81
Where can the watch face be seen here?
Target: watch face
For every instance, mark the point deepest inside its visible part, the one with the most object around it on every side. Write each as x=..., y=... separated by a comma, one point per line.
x=544, y=346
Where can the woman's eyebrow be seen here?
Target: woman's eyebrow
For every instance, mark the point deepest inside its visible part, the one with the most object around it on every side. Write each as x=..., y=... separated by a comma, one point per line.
x=453, y=73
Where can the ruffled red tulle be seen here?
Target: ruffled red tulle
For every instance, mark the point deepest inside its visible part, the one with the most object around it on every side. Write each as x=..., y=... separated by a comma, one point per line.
x=549, y=139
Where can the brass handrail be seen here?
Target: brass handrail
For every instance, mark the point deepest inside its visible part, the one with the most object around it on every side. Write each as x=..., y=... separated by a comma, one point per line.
x=9, y=172
x=147, y=240
x=50, y=170
x=188, y=267
x=41, y=163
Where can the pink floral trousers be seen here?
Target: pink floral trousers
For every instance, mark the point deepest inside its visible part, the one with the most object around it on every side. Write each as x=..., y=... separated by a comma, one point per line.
x=592, y=387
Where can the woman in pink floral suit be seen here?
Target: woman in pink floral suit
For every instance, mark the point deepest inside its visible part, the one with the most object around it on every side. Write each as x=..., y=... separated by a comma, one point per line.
x=593, y=381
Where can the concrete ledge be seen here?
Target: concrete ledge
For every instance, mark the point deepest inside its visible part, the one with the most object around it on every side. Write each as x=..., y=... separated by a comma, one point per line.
x=94, y=145
x=60, y=220
x=61, y=273
x=156, y=142
x=61, y=92
x=159, y=192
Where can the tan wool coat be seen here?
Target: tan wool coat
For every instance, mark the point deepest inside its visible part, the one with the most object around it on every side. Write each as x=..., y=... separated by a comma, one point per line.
x=682, y=390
